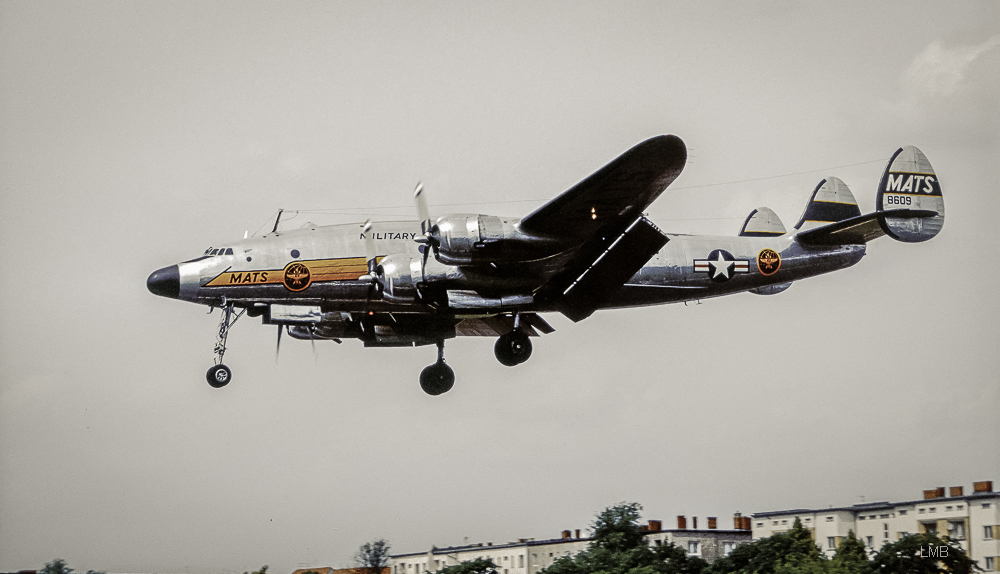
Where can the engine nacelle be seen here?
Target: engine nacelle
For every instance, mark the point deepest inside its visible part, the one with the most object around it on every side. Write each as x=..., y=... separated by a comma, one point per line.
x=469, y=239
x=401, y=275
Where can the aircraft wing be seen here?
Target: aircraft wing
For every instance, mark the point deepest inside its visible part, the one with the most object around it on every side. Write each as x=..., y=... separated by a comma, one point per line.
x=613, y=197
x=859, y=229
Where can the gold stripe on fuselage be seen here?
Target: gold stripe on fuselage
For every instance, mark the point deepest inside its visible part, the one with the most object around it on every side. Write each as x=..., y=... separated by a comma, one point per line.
x=343, y=269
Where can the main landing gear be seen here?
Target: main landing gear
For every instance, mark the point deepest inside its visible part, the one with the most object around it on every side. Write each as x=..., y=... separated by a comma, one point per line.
x=219, y=375
x=437, y=378
x=513, y=348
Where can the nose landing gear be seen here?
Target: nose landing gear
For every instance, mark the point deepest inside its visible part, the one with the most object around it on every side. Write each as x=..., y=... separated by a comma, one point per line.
x=219, y=375
x=437, y=378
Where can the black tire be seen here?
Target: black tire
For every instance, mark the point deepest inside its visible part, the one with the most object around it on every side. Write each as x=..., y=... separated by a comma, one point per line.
x=513, y=348
x=219, y=376
x=437, y=379
x=502, y=351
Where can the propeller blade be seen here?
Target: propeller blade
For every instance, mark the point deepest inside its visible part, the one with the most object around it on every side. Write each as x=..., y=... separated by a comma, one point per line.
x=370, y=253
x=312, y=341
x=423, y=214
x=277, y=347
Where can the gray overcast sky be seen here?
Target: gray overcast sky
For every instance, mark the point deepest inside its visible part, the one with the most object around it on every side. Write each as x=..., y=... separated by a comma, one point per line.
x=134, y=135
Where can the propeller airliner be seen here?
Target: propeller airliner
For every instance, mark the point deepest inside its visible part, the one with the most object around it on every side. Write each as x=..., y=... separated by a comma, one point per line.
x=415, y=283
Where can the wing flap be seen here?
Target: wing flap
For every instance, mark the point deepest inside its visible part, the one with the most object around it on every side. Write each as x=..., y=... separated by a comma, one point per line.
x=615, y=195
x=601, y=267
x=859, y=229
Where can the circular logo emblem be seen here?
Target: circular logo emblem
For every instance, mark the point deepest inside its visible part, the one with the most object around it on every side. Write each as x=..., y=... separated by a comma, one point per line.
x=297, y=277
x=768, y=261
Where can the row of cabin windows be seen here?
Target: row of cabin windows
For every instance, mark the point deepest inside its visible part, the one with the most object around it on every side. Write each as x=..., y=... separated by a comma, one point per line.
x=219, y=251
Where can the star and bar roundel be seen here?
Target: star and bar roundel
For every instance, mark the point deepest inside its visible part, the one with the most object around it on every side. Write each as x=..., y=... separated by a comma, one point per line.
x=721, y=265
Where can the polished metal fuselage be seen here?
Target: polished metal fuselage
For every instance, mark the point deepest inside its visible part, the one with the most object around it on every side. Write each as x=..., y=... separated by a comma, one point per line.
x=262, y=270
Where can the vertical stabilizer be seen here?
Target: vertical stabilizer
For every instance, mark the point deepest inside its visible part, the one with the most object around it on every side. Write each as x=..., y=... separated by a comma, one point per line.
x=831, y=201
x=762, y=222
x=909, y=182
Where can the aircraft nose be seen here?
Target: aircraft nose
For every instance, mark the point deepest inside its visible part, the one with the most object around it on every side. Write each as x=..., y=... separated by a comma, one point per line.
x=165, y=282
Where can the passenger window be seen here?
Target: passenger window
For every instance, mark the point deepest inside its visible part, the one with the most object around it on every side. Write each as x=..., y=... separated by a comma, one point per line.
x=229, y=251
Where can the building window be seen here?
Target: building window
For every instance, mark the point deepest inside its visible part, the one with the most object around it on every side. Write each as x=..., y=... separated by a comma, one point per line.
x=990, y=563
x=930, y=527
x=784, y=522
x=871, y=542
x=692, y=547
x=885, y=535
x=728, y=547
x=808, y=519
x=759, y=524
x=932, y=509
x=902, y=513
x=956, y=529
x=861, y=518
x=959, y=507
x=921, y=511
x=831, y=542
x=883, y=516
x=885, y=527
x=775, y=523
x=947, y=508
x=520, y=560
x=988, y=532
x=829, y=519
x=986, y=505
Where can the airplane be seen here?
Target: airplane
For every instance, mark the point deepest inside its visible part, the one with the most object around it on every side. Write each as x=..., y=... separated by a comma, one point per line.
x=415, y=283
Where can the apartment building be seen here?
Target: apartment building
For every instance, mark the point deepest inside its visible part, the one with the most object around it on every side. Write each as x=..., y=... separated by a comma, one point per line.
x=972, y=520
x=529, y=556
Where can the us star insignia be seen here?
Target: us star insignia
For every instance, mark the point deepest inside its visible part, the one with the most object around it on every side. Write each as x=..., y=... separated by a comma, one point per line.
x=721, y=265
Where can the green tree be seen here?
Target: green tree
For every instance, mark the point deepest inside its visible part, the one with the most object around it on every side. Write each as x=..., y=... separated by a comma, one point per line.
x=619, y=547
x=851, y=557
x=784, y=553
x=373, y=556
x=57, y=566
x=263, y=570
x=923, y=554
x=477, y=566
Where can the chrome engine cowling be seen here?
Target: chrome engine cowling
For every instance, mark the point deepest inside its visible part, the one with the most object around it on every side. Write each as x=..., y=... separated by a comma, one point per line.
x=401, y=275
x=470, y=239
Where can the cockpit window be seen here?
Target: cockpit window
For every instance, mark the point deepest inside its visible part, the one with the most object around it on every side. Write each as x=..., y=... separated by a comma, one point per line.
x=229, y=251
x=207, y=251
x=214, y=252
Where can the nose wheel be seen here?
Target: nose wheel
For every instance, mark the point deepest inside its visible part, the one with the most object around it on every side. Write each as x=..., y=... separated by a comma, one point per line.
x=513, y=348
x=219, y=376
x=438, y=378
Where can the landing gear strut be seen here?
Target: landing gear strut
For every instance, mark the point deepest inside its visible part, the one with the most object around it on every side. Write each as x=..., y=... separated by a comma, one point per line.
x=437, y=378
x=513, y=348
x=219, y=375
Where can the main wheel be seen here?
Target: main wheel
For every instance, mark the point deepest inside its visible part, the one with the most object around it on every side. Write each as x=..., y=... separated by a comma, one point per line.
x=219, y=376
x=437, y=379
x=513, y=348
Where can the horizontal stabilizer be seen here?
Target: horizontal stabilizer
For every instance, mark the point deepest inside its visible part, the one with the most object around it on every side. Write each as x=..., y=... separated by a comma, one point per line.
x=860, y=229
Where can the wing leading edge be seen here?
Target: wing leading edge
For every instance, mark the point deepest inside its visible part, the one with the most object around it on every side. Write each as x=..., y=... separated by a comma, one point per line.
x=614, y=196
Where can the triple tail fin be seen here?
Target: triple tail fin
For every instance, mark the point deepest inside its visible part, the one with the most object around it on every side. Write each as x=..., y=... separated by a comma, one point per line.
x=912, y=193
